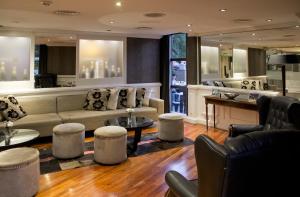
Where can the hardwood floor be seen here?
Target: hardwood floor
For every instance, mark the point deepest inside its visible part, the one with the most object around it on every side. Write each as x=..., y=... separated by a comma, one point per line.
x=138, y=176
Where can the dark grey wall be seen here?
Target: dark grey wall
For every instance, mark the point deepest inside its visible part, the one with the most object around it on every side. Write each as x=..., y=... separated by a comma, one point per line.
x=192, y=64
x=143, y=60
x=257, y=62
x=61, y=60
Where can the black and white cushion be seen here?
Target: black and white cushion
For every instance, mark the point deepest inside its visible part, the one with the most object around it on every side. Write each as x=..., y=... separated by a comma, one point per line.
x=127, y=98
x=10, y=109
x=140, y=96
x=113, y=99
x=250, y=84
x=97, y=99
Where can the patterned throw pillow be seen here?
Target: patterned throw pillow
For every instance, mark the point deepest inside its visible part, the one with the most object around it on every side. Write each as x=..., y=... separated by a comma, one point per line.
x=140, y=96
x=250, y=84
x=126, y=98
x=10, y=109
x=113, y=99
x=97, y=99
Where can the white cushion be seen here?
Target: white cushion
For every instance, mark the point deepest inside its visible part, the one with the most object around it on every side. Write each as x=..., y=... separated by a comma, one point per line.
x=110, y=131
x=113, y=99
x=171, y=116
x=146, y=100
x=16, y=157
x=69, y=128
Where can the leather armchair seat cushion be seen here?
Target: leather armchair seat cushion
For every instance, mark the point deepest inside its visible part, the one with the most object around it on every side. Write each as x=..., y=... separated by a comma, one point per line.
x=19, y=172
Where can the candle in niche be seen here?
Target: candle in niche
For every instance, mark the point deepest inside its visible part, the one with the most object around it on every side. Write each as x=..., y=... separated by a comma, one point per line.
x=101, y=68
x=87, y=73
x=97, y=69
x=2, y=71
x=106, y=70
x=118, y=72
x=92, y=71
x=25, y=74
x=113, y=71
x=14, y=73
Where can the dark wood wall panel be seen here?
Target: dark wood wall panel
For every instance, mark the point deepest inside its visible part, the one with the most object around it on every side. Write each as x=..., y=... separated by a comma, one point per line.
x=143, y=60
x=257, y=62
x=193, y=66
x=61, y=60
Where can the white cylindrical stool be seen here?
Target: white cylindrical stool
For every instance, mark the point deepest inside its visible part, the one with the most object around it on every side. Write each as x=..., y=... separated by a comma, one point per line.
x=110, y=145
x=171, y=127
x=68, y=140
x=19, y=172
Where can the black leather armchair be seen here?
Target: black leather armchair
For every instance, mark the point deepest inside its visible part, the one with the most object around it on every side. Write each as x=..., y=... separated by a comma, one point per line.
x=257, y=164
x=279, y=112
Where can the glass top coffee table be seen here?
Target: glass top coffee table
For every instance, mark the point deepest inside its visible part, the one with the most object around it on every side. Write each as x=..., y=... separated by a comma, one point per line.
x=136, y=124
x=17, y=138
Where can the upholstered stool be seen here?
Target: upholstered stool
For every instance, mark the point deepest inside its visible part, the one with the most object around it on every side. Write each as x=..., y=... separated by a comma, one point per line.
x=68, y=140
x=110, y=145
x=19, y=172
x=170, y=127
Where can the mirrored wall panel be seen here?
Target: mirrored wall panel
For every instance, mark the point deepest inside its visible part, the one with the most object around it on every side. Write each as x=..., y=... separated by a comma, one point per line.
x=100, y=59
x=15, y=58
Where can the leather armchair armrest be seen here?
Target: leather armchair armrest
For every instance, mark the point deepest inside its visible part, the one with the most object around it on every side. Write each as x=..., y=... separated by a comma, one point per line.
x=180, y=186
x=236, y=129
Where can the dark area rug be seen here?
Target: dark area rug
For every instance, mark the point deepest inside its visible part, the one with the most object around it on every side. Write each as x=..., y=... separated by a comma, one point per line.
x=149, y=144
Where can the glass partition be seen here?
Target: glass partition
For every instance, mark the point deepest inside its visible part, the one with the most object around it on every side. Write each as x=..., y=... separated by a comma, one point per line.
x=240, y=63
x=209, y=62
x=15, y=58
x=100, y=59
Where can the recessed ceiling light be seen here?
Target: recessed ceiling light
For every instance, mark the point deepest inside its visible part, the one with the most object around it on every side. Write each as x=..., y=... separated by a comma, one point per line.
x=48, y=40
x=223, y=10
x=253, y=34
x=190, y=30
x=189, y=25
x=71, y=37
x=118, y=3
x=221, y=34
x=269, y=20
x=220, y=45
x=111, y=22
x=297, y=26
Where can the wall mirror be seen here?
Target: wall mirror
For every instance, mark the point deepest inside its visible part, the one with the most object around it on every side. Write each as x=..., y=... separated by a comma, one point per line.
x=55, y=61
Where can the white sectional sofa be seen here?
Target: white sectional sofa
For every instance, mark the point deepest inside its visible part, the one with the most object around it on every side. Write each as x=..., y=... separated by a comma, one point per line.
x=44, y=112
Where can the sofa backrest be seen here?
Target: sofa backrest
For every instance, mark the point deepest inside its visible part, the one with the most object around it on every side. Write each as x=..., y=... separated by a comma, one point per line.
x=70, y=102
x=38, y=104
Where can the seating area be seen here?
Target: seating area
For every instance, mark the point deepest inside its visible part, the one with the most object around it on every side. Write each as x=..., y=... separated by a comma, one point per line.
x=149, y=98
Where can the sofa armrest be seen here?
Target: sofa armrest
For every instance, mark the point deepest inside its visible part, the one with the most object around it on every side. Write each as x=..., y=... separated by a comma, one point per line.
x=158, y=104
x=180, y=186
x=236, y=129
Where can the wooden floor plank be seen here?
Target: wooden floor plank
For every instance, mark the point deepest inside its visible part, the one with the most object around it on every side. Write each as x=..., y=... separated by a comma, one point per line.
x=138, y=176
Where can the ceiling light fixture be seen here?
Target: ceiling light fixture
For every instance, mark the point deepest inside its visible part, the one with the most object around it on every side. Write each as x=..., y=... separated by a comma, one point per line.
x=269, y=20
x=297, y=26
x=220, y=45
x=189, y=25
x=111, y=22
x=48, y=40
x=223, y=10
x=46, y=3
x=71, y=37
x=118, y=3
x=253, y=34
x=190, y=30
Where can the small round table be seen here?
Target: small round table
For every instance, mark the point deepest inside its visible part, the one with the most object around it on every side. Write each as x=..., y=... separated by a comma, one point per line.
x=18, y=138
x=136, y=124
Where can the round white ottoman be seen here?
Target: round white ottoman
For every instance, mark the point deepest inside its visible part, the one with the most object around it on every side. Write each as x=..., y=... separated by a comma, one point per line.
x=68, y=140
x=19, y=172
x=110, y=145
x=170, y=127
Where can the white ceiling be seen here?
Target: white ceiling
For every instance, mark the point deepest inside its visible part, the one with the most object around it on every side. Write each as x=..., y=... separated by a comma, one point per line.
x=204, y=15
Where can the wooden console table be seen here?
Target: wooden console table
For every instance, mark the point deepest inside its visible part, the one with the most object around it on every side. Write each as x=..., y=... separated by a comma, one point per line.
x=243, y=104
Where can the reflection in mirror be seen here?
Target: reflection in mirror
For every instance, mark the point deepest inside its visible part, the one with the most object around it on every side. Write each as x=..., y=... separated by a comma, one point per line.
x=226, y=60
x=55, y=61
